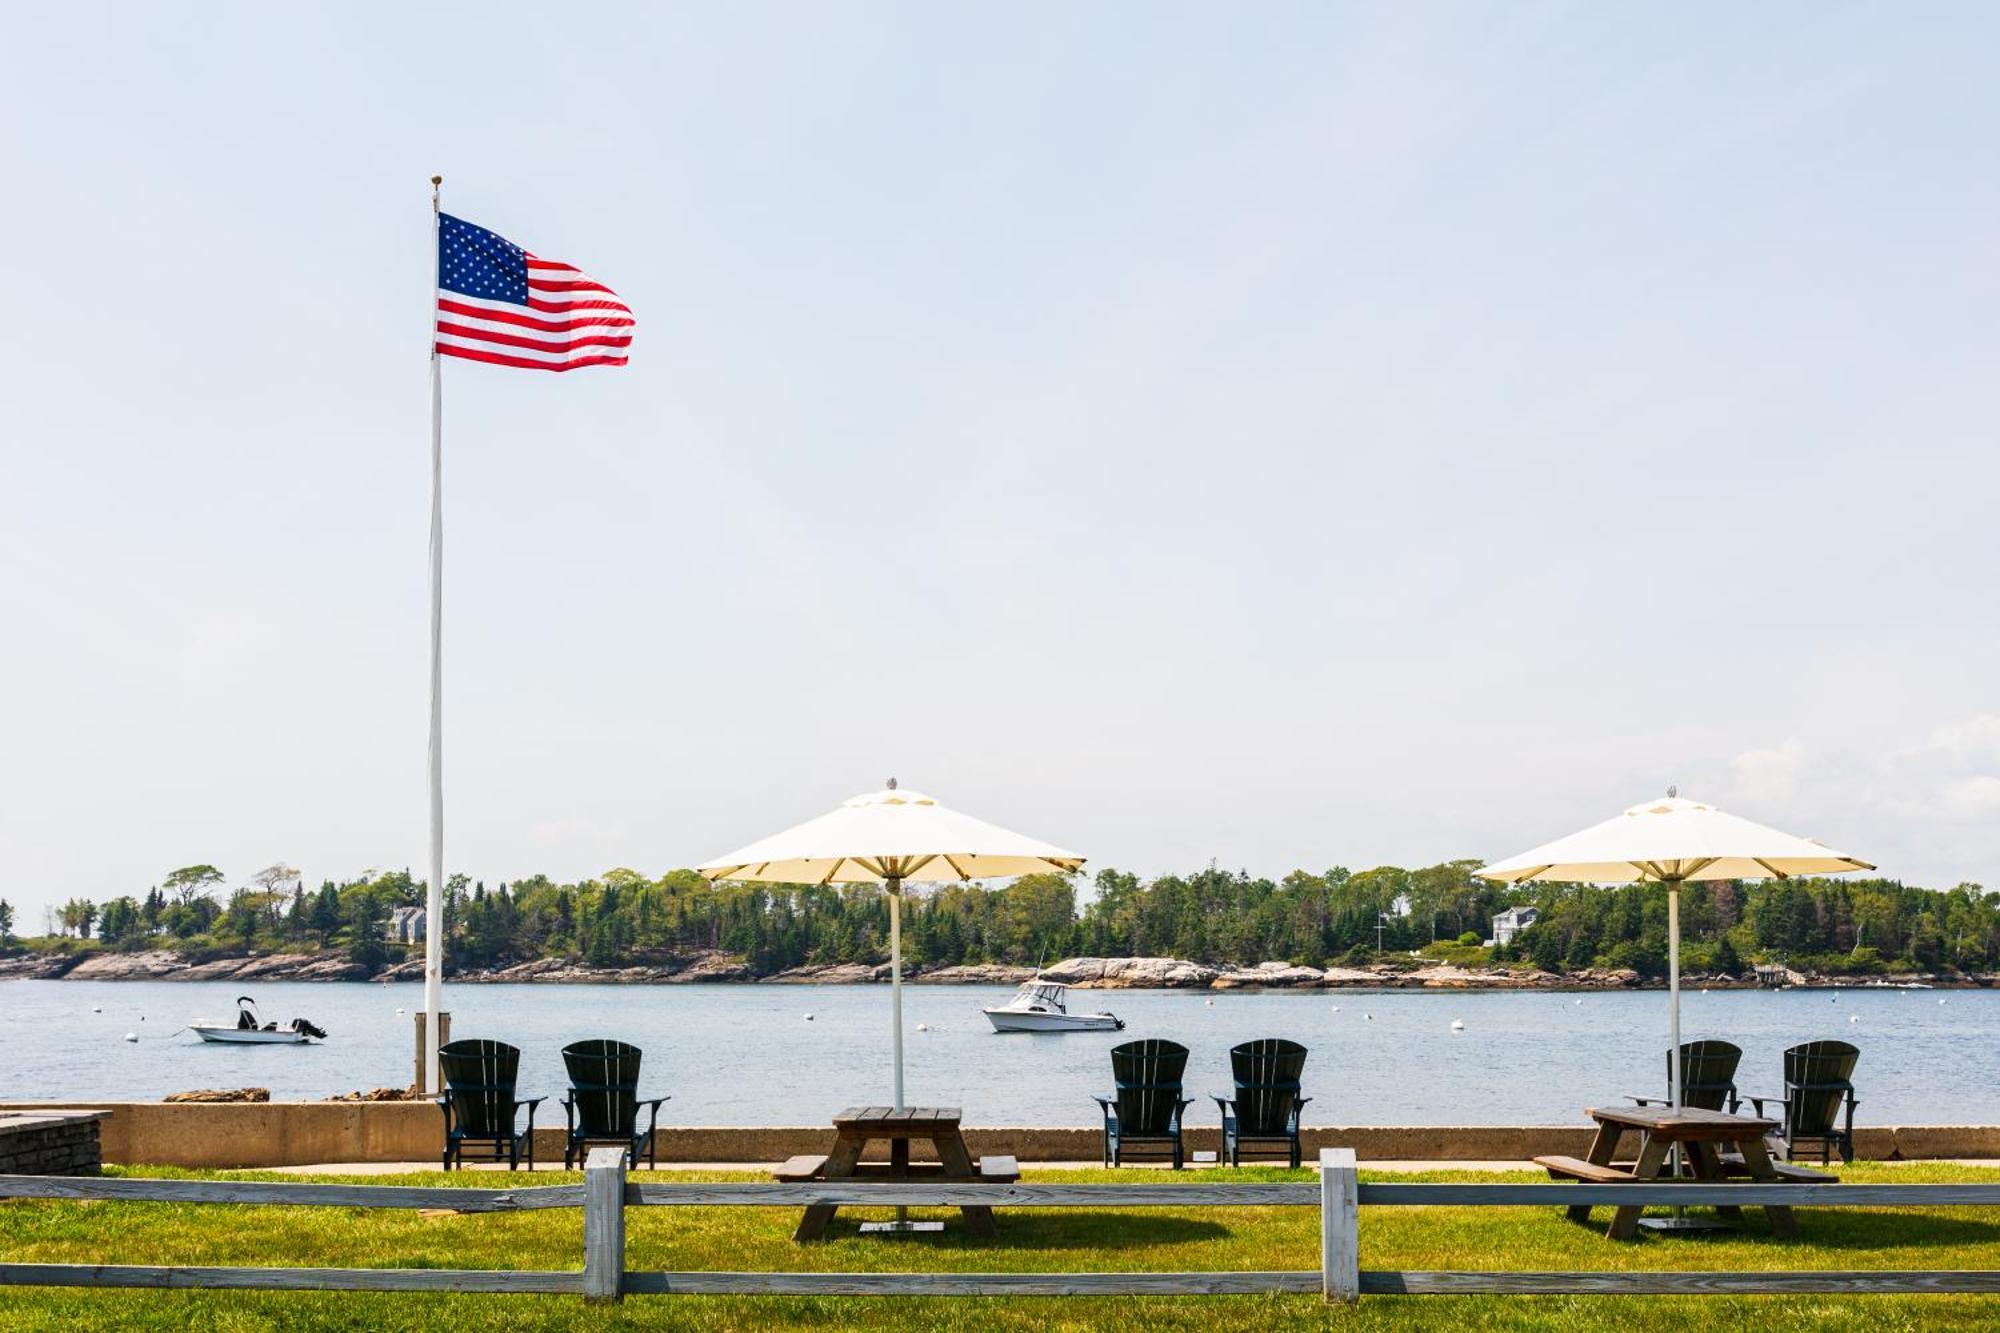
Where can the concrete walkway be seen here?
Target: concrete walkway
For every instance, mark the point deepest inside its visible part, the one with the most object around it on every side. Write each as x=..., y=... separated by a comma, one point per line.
x=1391, y=1167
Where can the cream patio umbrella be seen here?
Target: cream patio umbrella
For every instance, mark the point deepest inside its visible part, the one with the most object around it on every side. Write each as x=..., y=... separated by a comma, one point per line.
x=891, y=837
x=1671, y=841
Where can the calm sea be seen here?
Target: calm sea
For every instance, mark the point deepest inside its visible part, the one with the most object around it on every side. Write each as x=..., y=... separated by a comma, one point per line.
x=747, y=1054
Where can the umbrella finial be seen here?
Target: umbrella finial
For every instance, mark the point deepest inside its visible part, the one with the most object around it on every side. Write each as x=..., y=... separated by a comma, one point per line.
x=892, y=784
x=1673, y=791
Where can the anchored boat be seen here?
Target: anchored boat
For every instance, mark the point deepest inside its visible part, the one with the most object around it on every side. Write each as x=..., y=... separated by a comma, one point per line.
x=250, y=1029
x=1041, y=1006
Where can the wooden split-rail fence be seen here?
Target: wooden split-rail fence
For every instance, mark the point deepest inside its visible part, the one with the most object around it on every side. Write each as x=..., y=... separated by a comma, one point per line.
x=606, y=1193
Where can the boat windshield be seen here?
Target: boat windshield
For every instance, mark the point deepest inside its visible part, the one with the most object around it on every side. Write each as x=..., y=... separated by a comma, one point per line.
x=1049, y=994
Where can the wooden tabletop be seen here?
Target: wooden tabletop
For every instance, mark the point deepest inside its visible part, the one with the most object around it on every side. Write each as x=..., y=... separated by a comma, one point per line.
x=1687, y=1124
x=913, y=1118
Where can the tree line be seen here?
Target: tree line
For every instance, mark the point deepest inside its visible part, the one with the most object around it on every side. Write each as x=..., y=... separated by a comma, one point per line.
x=1211, y=916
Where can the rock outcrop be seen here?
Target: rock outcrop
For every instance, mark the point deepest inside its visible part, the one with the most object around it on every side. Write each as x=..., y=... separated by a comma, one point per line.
x=974, y=974
x=1271, y=974
x=220, y=1095
x=1130, y=973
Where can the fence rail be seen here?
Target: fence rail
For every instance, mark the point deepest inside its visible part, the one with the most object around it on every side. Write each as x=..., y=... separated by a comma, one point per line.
x=606, y=1193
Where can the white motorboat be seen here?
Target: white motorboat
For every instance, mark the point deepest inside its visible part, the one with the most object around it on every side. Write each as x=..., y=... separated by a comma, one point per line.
x=1041, y=1006
x=250, y=1030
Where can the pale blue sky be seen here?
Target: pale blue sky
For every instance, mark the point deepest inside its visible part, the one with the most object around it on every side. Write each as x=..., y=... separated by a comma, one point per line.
x=1288, y=434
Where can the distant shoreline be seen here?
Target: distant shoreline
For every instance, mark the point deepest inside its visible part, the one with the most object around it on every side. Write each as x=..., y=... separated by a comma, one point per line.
x=1080, y=973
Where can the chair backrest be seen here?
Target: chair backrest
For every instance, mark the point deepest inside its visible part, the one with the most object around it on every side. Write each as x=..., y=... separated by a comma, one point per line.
x=1818, y=1078
x=479, y=1078
x=1267, y=1083
x=1708, y=1073
x=1148, y=1075
x=604, y=1083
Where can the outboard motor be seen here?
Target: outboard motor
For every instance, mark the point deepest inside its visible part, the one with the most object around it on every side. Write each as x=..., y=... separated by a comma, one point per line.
x=308, y=1029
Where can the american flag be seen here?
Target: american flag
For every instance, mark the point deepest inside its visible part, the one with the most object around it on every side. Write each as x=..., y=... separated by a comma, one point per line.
x=498, y=303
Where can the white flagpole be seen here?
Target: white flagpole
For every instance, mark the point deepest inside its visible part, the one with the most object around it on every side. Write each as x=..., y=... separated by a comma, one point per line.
x=434, y=902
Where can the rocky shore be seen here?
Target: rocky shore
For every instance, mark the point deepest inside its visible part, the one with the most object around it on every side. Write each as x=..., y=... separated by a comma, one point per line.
x=1084, y=973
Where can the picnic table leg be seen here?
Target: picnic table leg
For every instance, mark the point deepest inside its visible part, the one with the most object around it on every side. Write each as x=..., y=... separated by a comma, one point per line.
x=1758, y=1161
x=840, y=1164
x=1707, y=1162
x=1601, y=1149
x=1652, y=1156
x=957, y=1161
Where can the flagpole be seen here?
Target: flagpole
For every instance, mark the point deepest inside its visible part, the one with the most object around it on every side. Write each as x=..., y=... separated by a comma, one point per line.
x=434, y=900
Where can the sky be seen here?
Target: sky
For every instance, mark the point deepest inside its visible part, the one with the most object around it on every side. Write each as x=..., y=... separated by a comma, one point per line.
x=1290, y=436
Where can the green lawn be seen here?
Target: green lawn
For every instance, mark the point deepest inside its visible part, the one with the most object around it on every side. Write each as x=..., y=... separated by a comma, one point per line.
x=1031, y=1240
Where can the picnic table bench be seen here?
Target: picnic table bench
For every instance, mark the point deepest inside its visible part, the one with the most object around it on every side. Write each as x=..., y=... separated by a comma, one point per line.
x=858, y=1126
x=1719, y=1148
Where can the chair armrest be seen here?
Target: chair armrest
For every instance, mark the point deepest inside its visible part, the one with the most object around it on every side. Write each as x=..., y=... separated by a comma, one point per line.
x=531, y=1103
x=1758, y=1102
x=1298, y=1109
x=1650, y=1099
x=652, y=1105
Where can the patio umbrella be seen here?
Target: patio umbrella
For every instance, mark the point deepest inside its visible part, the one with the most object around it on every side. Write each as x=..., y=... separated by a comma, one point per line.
x=891, y=837
x=1671, y=841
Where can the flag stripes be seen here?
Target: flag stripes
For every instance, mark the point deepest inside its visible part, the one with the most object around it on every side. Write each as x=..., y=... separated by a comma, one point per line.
x=499, y=304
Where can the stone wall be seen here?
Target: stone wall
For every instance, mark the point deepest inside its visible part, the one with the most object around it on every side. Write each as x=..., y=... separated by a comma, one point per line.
x=260, y=1134
x=50, y=1144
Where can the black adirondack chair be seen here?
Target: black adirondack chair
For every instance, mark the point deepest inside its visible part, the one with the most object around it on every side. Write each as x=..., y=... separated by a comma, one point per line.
x=1817, y=1109
x=1708, y=1077
x=1265, y=1108
x=479, y=1105
x=602, y=1104
x=1145, y=1110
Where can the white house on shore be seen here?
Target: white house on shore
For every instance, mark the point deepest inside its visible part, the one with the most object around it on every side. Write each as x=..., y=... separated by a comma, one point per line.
x=1511, y=923
x=406, y=925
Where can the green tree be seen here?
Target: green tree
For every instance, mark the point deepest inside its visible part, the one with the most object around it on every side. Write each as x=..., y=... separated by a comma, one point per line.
x=6, y=922
x=190, y=883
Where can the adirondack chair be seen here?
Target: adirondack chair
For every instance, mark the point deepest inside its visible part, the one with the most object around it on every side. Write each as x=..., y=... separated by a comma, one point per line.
x=602, y=1104
x=1266, y=1105
x=1818, y=1105
x=1708, y=1077
x=1145, y=1110
x=479, y=1105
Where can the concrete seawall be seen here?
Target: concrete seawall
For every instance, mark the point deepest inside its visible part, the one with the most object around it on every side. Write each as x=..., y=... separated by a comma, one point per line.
x=254, y=1134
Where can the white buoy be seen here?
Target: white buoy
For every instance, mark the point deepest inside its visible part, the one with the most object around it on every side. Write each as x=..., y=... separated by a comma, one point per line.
x=809, y=1018
x=131, y=1036
x=1369, y=1017
x=1579, y=1001
x=96, y=1008
x=1336, y=1008
x=1940, y=1001
x=399, y=1013
x=1854, y=1018
x=923, y=1027
x=1209, y=1003
x=1458, y=1025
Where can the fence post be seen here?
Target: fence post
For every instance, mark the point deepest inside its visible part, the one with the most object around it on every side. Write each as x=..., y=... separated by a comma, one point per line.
x=1339, y=1226
x=604, y=1224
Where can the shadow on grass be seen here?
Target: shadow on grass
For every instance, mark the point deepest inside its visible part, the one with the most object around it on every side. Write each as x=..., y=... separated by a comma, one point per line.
x=1825, y=1229
x=1025, y=1229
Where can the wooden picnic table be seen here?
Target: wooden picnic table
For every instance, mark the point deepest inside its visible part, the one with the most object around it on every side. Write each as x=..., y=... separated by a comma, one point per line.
x=1719, y=1148
x=858, y=1126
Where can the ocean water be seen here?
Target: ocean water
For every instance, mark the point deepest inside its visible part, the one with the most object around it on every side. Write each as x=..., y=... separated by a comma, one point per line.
x=747, y=1054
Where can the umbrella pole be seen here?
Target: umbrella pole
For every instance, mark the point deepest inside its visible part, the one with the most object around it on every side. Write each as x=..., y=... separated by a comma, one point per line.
x=896, y=976
x=1674, y=992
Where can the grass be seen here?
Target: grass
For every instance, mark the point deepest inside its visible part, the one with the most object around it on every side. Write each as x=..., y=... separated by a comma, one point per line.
x=1031, y=1240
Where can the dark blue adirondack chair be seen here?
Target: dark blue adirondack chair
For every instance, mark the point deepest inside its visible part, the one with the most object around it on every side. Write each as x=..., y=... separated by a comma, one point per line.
x=1708, y=1077
x=1265, y=1108
x=602, y=1104
x=1144, y=1112
x=1817, y=1109
x=479, y=1105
